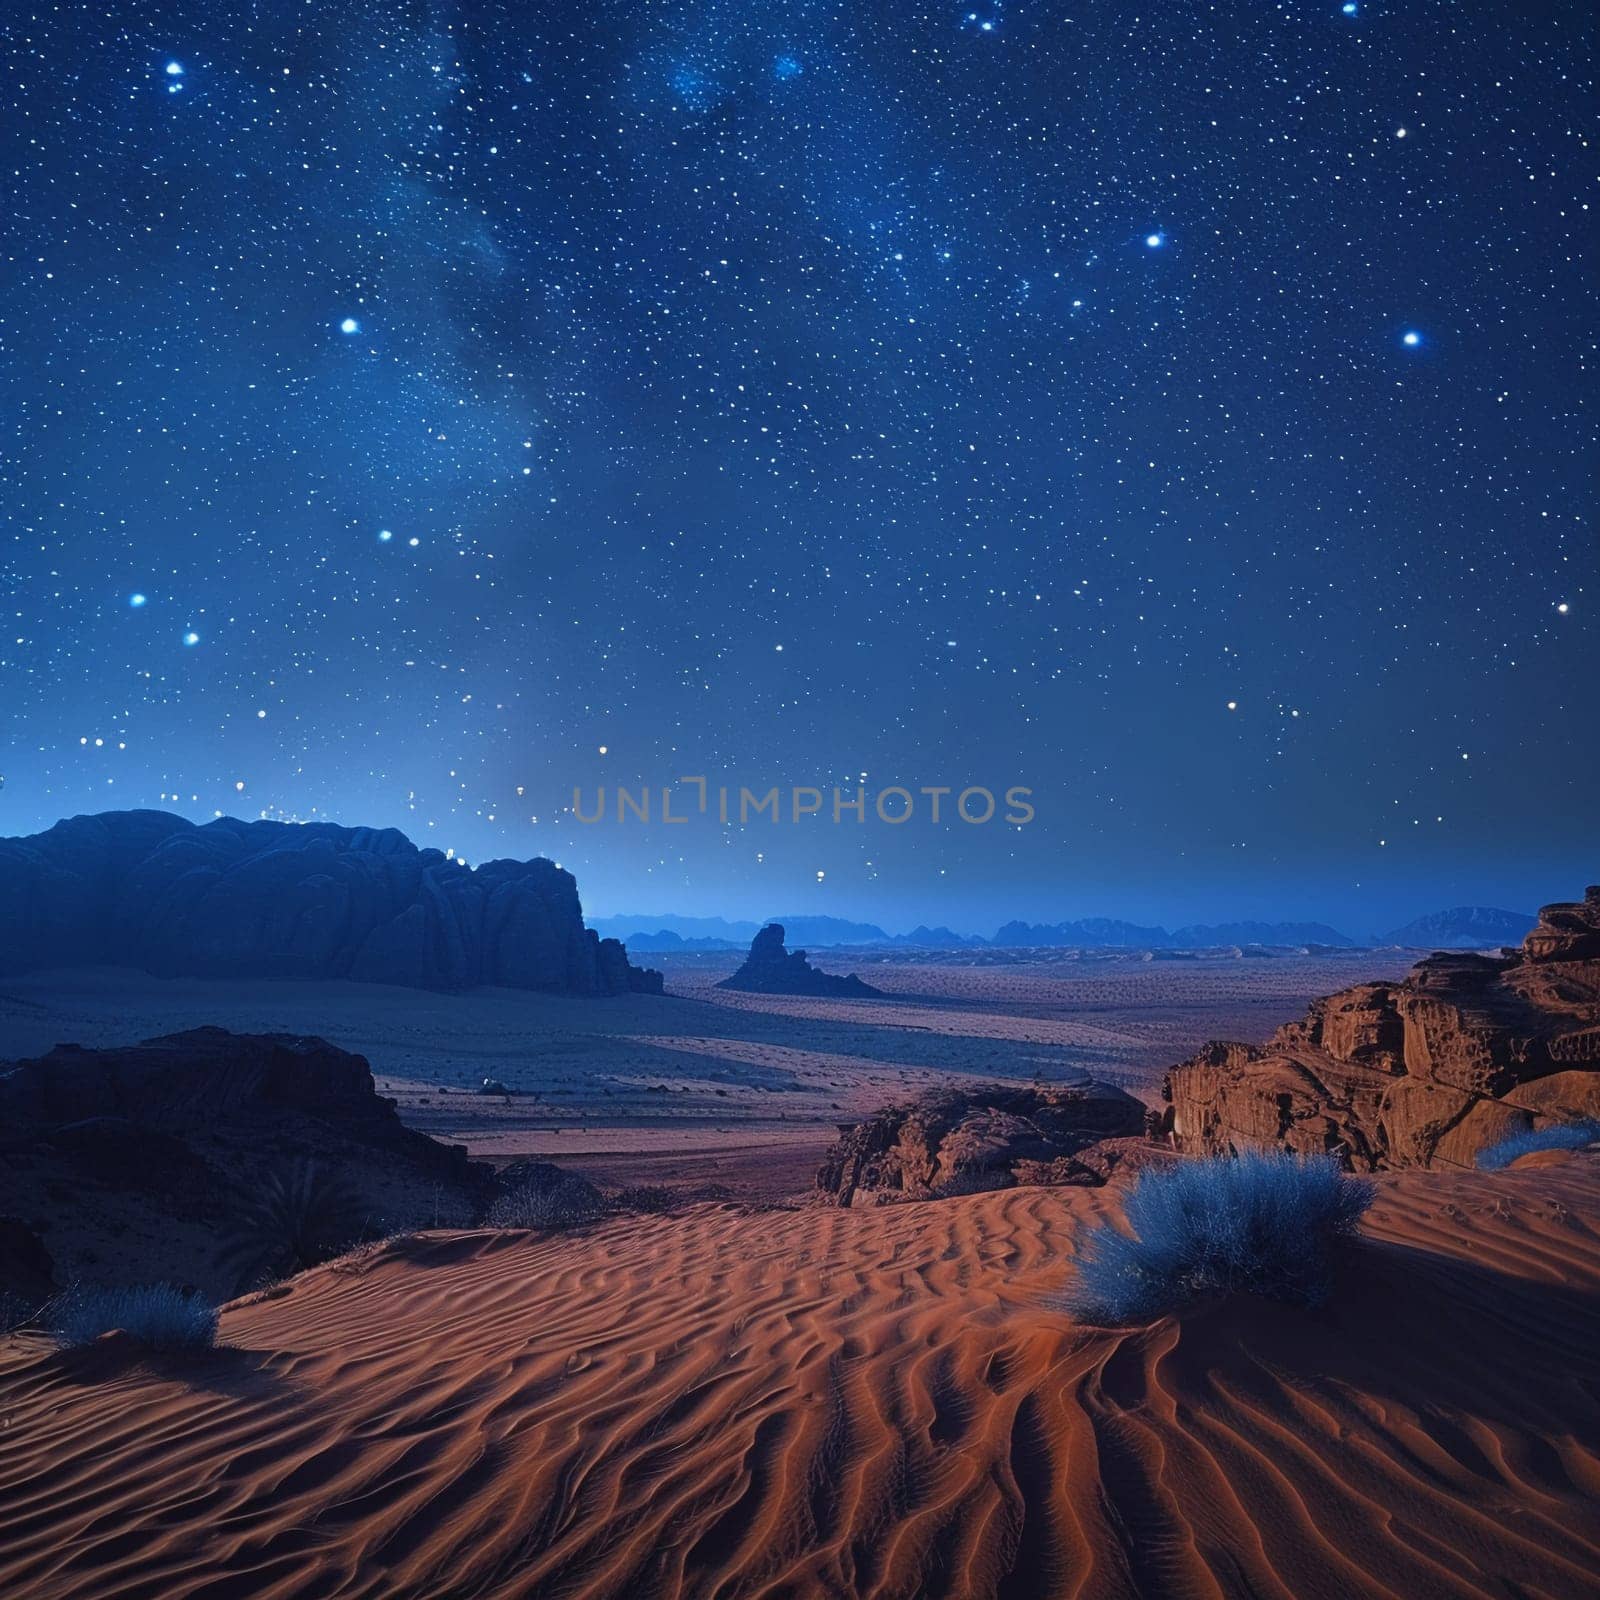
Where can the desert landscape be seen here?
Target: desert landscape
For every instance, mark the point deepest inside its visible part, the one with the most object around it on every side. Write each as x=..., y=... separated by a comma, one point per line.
x=798, y=802
x=1043, y=1274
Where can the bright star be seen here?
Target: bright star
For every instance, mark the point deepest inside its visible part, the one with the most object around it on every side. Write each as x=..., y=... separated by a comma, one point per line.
x=1411, y=338
x=349, y=325
x=1154, y=241
x=191, y=638
x=174, y=69
x=384, y=536
x=136, y=600
x=1349, y=8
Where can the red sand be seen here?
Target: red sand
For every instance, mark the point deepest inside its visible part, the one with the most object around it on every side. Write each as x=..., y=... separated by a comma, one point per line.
x=871, y=1402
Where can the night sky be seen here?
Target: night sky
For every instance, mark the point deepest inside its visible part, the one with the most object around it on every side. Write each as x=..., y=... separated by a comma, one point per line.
x=413, y=411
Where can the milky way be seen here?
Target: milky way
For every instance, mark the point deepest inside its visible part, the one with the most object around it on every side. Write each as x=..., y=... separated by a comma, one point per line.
x=1181, y=410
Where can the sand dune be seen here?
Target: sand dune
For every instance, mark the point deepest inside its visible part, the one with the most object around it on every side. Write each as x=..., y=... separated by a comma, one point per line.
x=732, y=1402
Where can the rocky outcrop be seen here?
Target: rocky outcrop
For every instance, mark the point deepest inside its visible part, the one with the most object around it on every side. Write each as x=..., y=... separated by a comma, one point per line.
x=234, y=899
x=770, y=969
x=126, y=1164
x=989, y=1137
x=1465, y=1051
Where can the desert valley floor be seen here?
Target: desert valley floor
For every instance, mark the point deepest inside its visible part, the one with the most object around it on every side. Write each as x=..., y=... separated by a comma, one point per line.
x=705, y=1084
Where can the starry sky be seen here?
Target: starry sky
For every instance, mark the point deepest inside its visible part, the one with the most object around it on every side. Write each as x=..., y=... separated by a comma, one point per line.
x=416, y=411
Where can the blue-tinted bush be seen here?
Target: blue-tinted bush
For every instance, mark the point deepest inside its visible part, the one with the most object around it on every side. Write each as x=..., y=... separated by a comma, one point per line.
x=1261, y=1223
x=154, y=1314
x=566, y=1205
x=1560, y=1136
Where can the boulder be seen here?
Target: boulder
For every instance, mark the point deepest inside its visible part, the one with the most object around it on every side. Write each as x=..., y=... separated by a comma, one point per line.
x=771, y=969
x=234, y=899
x=1467, y=1050
x=989, y=1137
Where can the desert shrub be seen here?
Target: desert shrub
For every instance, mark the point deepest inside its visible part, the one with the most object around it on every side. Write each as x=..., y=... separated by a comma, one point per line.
x=1260, y=1223
x=153, y=1314
x=1558, y=1136
x=297, y=1218
x=565, y=1205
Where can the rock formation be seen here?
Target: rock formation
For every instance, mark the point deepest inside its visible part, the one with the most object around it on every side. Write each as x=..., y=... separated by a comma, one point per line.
x=272, y=899
x=988, y=1137
x=1465, y=1051
x=126, y=1164
x=770, y=969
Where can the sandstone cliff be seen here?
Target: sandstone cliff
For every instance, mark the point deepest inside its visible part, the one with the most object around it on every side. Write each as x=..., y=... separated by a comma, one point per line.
x=271, y=899
x=1465, y=1051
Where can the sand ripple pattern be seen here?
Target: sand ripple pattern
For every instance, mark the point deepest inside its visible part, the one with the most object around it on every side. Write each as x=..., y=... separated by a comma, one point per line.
x=865, y=1403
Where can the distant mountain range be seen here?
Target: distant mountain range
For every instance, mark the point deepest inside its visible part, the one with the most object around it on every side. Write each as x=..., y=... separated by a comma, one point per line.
x=1105, y=933
x=1463, y=927
x=670, y=932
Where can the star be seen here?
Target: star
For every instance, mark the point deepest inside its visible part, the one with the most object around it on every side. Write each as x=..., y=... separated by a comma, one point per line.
x=1411, y=338
x=191, y=638
x=1154, y=241
x=384, y=535
x=136, y=600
